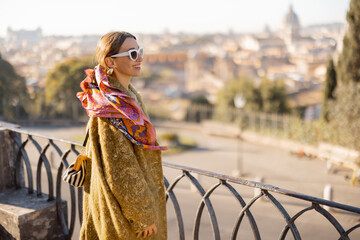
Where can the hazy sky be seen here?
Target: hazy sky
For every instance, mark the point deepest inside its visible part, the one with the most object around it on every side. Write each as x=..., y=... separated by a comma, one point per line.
x=76, y=17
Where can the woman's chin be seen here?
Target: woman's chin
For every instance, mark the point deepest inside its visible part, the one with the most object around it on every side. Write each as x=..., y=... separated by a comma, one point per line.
x=137, y=73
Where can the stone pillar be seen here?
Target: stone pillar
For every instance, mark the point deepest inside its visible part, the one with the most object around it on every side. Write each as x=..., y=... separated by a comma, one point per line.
x=23, y=215
x=8, y=152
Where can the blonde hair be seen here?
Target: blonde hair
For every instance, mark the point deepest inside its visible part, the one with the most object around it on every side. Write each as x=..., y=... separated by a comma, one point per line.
x=110, y=44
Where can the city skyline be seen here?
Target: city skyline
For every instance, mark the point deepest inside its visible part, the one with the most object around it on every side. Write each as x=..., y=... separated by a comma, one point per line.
x=90, y=17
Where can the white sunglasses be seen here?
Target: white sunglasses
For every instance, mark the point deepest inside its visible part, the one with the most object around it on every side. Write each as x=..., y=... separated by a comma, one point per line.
x=132, y=53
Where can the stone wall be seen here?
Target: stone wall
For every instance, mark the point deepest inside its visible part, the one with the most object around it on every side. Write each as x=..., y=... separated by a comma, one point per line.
x=23, y=215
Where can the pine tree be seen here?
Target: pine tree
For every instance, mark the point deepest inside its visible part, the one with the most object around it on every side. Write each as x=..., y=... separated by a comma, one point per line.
x=349, y=60
x=329, y=90
x=344, y=112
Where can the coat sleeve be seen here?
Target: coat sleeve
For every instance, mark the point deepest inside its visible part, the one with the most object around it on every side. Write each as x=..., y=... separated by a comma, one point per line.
x=125, y=177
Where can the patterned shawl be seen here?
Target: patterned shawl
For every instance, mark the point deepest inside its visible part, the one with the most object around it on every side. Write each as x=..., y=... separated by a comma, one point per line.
x=103, y=100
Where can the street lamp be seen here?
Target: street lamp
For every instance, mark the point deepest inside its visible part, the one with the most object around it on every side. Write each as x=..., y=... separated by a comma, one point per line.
x=239, y=102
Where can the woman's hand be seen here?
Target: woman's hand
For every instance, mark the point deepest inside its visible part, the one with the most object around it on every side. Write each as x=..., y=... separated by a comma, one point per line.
x=147, y=232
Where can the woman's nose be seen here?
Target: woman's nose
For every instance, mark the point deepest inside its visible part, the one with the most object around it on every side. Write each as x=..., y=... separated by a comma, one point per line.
x=140, y=58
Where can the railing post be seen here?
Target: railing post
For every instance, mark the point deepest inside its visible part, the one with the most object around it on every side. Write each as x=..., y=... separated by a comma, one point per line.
x=8, y=152
x=328, y=195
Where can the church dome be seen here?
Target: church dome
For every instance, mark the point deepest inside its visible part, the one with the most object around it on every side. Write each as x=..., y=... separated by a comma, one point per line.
x=291, y=19
x=291, y=26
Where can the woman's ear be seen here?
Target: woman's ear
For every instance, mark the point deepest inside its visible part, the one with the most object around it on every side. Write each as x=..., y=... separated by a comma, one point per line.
x=109, y=62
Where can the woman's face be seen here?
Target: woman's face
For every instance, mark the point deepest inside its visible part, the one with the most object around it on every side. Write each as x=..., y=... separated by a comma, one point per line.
x=124, y=66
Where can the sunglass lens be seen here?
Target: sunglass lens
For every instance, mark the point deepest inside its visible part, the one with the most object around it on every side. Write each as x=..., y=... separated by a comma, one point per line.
x=133, y=55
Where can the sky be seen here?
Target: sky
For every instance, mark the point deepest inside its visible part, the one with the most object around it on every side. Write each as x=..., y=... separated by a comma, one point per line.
x=78, y=17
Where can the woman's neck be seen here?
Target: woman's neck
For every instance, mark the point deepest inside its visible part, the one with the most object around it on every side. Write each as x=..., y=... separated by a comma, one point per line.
x=124, y=80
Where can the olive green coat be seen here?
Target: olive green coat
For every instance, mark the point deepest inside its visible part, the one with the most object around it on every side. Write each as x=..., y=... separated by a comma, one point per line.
x=124, y=186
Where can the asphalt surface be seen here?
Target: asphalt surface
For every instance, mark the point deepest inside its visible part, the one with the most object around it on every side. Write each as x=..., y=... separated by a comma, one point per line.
x=272, y=166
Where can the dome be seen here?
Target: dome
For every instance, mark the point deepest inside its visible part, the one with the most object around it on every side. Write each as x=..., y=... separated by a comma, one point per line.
x=291, y=26
x=291, y=20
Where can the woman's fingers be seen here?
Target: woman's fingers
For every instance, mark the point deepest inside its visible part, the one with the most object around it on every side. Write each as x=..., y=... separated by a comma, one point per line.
x=147, y=232
x=150, y=231
x=144, y=234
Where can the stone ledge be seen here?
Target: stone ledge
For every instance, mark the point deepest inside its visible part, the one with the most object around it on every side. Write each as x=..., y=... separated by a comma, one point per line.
x=26, y=216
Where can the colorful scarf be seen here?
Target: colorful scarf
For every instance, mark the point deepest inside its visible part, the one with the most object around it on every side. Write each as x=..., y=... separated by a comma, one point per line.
x=103, y=100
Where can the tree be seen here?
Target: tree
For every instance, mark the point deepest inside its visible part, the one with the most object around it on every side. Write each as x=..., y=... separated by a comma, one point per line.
x=200, y=109
x=251, y=95
x=349, y=59
x=200, y=99
x=244, y=87
x=329, y=90
x=273, y=96
x=344, y=111
x=14, y=96
x=269, y=96
x=344, y=115
x=62, y=84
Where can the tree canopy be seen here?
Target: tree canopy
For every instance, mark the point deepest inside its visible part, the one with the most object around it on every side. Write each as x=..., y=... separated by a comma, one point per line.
x=268, y=96
x=13, y=92
x=62, y=84
x=345, y=115
x=344, y=111
x=329, y=89
x=349, y=59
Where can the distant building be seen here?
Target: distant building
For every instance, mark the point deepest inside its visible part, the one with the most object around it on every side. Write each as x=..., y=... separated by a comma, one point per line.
x=291, y=26
x=19, y=36
x=310, y=101
x=206, y=74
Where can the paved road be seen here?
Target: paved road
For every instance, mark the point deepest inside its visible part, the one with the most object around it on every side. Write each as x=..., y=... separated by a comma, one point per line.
x=275, y=166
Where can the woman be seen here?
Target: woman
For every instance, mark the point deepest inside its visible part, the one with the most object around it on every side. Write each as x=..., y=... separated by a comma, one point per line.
x=124, y=195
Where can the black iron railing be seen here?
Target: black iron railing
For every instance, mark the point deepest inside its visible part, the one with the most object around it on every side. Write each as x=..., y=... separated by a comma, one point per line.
x=75, y=199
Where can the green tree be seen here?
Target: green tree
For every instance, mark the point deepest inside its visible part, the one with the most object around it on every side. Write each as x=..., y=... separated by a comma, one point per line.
x=344, y=115
x=273, y=96
x=269, y=96
x=200, y=99
x=244, y=87
x=349, y=59
x=14, y=96
x=251, y=95
x=62, y=84
x=344, y=111
x=37, y=103
x=329, y=89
